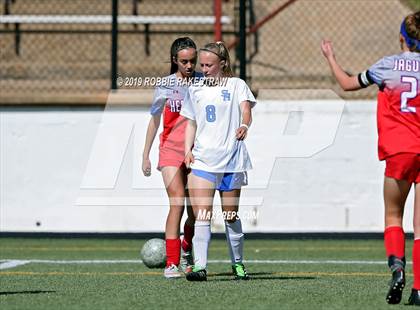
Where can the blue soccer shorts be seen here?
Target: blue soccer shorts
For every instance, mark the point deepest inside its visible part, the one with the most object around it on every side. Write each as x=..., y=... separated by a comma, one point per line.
x=224, y=181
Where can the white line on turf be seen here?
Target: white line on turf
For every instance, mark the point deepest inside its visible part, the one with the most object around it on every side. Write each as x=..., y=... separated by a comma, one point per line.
x=11, y=263
x=6, y=264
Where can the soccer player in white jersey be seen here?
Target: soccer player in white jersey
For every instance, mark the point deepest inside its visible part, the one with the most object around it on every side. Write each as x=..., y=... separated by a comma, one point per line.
x=398, y=119
x=218, y=110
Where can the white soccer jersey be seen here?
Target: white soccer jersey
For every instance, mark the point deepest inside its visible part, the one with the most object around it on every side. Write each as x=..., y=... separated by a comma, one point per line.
x=217, y=112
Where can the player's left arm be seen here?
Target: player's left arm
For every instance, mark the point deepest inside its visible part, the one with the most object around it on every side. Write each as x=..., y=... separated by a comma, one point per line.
x=190, y=132
x=242, y=131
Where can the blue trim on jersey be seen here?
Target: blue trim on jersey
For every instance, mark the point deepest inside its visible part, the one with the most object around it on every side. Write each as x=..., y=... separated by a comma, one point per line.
x=224, y=182
x=410, y=41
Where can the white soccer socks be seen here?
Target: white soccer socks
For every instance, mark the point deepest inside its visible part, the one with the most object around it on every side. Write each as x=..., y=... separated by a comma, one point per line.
x=235, y=240
x=201, y=241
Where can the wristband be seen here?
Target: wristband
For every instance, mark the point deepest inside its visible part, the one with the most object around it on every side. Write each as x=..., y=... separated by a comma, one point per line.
x=244, y=125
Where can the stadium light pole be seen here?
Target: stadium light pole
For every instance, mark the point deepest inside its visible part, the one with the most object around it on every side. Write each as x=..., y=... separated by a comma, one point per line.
x=114, y=47
x=242, y=39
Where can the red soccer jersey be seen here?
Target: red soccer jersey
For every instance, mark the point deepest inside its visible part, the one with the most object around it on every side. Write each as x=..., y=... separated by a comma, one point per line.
x=398, y=112
x=173, y=134
x=168, y=101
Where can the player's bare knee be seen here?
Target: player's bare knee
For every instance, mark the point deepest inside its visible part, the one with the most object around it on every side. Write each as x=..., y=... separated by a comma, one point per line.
x=176, y=199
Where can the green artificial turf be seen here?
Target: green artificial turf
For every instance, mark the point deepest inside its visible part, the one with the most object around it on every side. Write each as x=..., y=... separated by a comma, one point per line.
x=291, y=284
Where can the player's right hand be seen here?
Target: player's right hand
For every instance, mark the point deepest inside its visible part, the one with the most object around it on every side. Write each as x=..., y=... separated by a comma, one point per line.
x=327, y=48
x=189, y=158
x=146, y=167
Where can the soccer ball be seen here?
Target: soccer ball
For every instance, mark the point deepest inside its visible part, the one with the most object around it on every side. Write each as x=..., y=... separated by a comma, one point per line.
x=153, y=253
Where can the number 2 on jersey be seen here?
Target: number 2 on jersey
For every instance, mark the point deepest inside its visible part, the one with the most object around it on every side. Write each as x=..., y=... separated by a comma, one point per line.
x=410, y=94
x=210, y=113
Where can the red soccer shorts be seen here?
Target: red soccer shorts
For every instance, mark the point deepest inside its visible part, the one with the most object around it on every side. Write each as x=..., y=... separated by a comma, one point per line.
x=170, y=157
x=403, y=166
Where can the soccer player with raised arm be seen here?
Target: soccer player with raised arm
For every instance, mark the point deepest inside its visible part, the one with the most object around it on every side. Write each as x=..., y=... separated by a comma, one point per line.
x=398, y=120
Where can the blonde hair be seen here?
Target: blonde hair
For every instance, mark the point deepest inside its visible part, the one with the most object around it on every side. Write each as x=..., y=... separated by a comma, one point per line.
x=220, y=49
x=412, y=27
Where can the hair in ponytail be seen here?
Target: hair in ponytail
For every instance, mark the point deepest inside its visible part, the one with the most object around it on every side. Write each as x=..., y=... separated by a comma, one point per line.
x=220, y=49
x=412, y=28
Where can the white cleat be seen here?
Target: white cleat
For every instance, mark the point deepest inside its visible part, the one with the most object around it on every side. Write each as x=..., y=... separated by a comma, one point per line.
x=172, y=272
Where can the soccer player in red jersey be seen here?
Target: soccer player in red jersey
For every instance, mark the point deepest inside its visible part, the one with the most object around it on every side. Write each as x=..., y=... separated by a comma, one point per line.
x=398, y=120
x=168, y=100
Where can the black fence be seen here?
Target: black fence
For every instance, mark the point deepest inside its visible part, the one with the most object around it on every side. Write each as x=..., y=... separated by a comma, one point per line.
x=64, y=48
